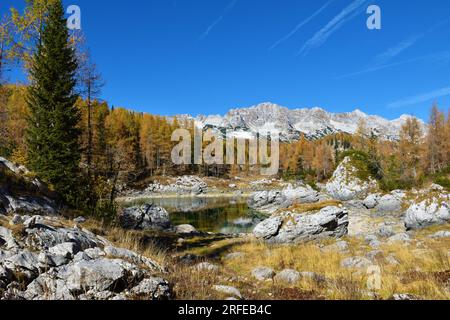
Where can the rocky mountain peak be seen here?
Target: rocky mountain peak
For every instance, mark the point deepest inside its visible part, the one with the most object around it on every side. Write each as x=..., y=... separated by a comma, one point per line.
x=314, y=123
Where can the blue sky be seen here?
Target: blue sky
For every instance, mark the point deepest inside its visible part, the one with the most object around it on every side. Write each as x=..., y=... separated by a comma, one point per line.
x=207, y=56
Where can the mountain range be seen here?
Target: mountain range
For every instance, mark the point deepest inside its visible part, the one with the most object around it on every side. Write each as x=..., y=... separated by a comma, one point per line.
x=313, y=123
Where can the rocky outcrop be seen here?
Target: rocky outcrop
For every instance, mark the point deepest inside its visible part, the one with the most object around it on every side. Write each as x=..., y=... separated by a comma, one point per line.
x=345, y=184
x=34, y=205
x=273, y=200
x=45, y=262
x=268, y=201
x=20, y=194
x=428, y=212
x=182, y=185
x=298, y=227
x=146, y=217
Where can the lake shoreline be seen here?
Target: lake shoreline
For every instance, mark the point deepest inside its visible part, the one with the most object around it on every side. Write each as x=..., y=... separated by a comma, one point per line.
x=227, y=195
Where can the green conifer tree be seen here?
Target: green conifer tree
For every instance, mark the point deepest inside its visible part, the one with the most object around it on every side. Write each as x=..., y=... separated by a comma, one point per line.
x=53, y=133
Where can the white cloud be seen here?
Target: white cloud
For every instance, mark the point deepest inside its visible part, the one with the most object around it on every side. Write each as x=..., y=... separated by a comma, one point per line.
x=420, y=98
x=392, y=52
x=442, y=56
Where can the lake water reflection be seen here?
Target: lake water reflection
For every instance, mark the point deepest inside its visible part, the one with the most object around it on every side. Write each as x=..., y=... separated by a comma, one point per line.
x=218, y=215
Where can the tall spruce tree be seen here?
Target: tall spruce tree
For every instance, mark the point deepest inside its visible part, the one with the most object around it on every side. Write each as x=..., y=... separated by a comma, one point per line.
x=53, y=133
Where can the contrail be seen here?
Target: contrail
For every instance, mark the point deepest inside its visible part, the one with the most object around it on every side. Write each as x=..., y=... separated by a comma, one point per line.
x=300, y=25
x=219, y=19
x=334, y=25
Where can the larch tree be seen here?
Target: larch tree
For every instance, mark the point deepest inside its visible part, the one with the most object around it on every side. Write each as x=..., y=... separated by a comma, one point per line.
x=410, y=148
x=361, y=135
x=53, y=133
x=90, y=83
x=436, y=150
x=29, y=27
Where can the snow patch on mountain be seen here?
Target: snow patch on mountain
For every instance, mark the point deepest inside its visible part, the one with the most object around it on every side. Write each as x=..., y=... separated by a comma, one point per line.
x=292, y=124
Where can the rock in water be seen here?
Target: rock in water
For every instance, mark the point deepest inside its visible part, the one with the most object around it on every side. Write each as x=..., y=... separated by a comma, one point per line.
x=294, y=228
x=427, y=213
x=146, y=217
x=345, y=185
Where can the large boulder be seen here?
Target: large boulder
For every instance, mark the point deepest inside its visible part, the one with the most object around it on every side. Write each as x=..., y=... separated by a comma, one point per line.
x=372, y=200
x=302, y=194
x=268, y=228
x=299, y=227
x=288, y=276
x=389, y=203
x=428, y=212
x=43, y=237
x=146, y=217
x=273, y=200
x=345, y=184
x=103, y=274
x=154, y=288
x=263, y=273
x=268, y=201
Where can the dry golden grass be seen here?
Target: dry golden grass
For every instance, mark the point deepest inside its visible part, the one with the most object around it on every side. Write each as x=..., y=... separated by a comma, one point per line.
x=18, y=231
x=423, y=275
x=309, y=207
x=191, y=284
x=133, y=241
